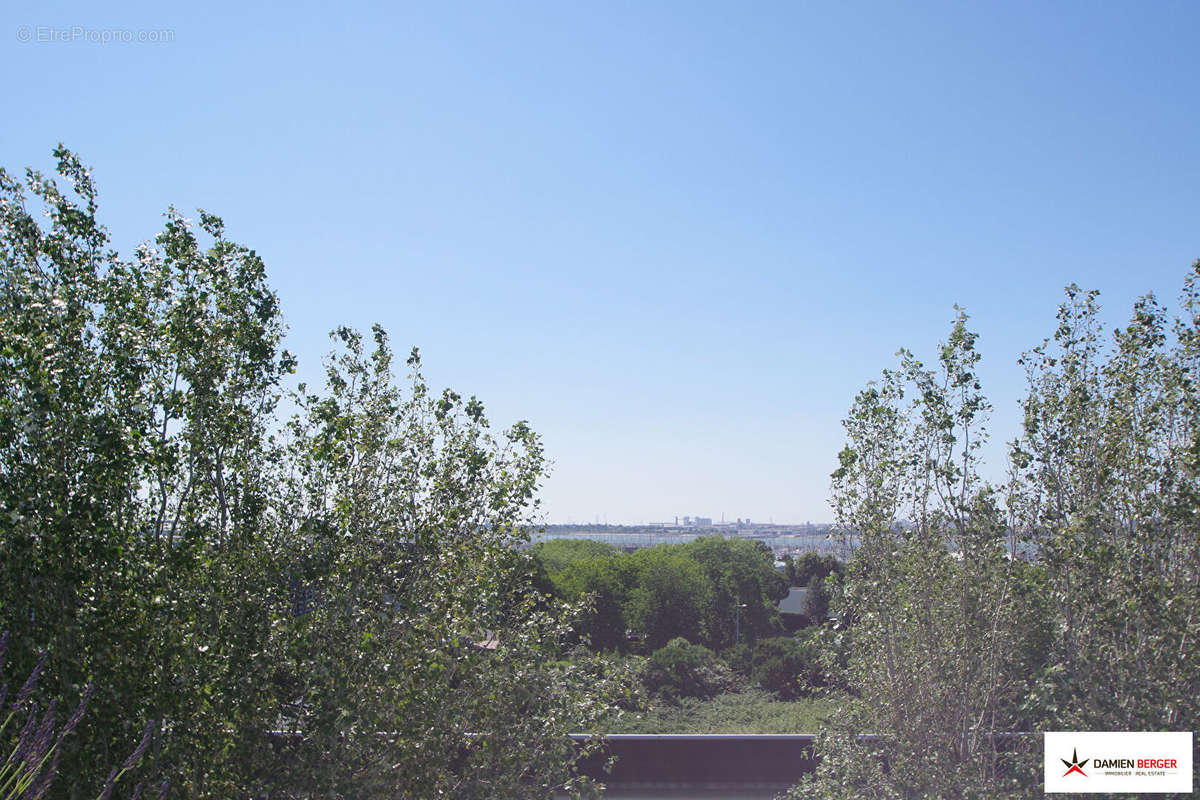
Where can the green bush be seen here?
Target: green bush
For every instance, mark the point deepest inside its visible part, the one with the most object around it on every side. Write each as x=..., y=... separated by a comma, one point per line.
x=731, y=713
x=831, y=648
x=739, y=658
x=788, y=667
x=681, y=669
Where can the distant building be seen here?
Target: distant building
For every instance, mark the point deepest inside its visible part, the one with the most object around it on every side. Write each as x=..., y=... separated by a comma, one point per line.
x=794, y=602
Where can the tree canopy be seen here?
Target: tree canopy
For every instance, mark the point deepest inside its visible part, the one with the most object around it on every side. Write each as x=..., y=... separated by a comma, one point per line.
x=350, y=576
x=703, y=591
x=1064, y=599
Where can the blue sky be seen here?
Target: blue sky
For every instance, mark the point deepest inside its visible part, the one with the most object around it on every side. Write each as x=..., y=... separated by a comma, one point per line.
x=675, y=237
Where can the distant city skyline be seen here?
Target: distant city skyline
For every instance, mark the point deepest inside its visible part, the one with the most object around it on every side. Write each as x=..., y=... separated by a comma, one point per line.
x=684, y=520
x=677, y=238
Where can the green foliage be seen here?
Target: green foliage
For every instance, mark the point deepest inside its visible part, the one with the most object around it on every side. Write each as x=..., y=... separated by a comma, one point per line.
x=739, y=658
x=134, y=402
x=34, y=748
x=935, y=651
x=672, y=590
x=831, y=646
x=602, y=584
x=557, y=555
x=356, y=581
x=428, y=626
x=816, y=600
x=749, y=711
x=851, y=767
x=791, y=668
x=954, y=637
x=1107, y=485
x=681, y=669
x=740, y=573
x=670, y=596
x=802, y=570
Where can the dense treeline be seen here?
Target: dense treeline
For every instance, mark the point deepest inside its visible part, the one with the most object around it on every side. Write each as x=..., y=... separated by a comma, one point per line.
x=703, y=613
x=708, y=591
x=1066, y=599
x=349, y=576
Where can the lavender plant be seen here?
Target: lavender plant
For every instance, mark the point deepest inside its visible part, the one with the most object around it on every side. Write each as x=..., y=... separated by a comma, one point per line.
x=32, y=760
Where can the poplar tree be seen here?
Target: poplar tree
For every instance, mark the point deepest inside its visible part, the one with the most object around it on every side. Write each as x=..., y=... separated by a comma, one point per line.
x=332, y=606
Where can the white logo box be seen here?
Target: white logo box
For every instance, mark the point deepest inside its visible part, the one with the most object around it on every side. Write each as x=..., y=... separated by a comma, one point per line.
x=1117, y=761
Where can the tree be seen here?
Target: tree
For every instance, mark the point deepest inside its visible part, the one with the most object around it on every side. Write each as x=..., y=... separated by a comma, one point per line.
x=801, y=570
x=934, y=655
x=1108, y=483
x=559, y=554
x=670, y=596
x=429, y=665
x=816, y=600
x=134, y=400
x=703, y=589
x=739, y=573
x=1103, y=490
x=788, y=667
x=358, y=580
x=601, y=584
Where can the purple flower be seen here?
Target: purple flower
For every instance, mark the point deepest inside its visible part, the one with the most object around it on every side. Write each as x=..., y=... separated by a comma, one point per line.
x=77, y=715
x=108, y=785
x=41, y=744
x=30, y=682
x=38, y=790
x=140, y=750
x=25, y=737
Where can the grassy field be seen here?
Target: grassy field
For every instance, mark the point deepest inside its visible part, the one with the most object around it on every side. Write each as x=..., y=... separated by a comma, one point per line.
x=752, y=711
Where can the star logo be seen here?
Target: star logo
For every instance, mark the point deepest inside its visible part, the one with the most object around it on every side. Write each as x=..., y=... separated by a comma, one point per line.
x=1074, y=764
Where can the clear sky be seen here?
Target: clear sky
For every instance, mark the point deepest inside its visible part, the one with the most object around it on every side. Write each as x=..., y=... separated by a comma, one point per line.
x=675, y=237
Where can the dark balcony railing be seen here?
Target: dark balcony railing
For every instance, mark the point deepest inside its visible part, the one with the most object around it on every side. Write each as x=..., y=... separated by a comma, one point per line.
x=699, y=761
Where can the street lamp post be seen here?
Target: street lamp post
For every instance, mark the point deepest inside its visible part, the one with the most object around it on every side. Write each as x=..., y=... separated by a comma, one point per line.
x=737, y=623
